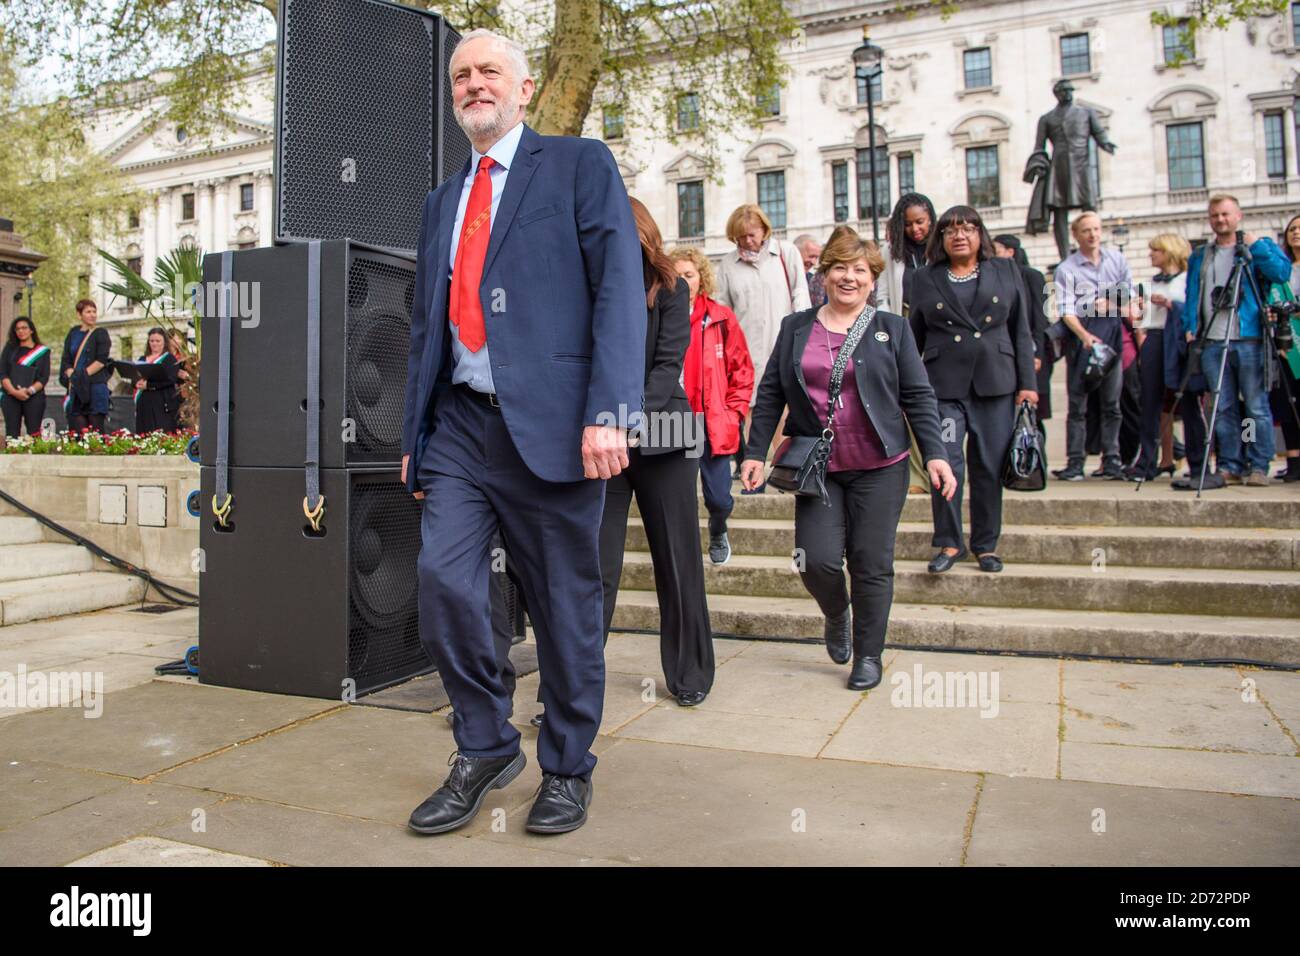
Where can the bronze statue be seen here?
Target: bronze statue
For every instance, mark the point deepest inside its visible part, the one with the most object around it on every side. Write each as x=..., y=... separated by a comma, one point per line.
x=1061, y=181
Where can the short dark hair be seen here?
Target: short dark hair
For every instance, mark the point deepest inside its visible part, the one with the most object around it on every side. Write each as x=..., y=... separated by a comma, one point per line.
x=82, y=304
x=955, y=216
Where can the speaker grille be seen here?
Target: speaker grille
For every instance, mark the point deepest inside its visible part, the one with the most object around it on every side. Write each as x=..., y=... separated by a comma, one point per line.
x=357, y=118
x=455, y=144
x=380, y=294
x=383, y=614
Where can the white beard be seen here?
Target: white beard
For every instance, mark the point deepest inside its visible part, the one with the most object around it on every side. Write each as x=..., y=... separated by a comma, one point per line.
x=491, y=124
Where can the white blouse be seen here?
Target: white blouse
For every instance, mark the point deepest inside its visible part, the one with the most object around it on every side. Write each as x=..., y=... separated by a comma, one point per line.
x=1175, y=290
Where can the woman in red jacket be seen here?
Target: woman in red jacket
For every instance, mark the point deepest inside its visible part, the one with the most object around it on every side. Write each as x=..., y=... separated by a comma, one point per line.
x=718, y=376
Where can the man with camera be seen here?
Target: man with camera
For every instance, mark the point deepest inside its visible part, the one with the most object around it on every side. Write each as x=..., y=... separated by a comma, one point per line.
x=1094, y=287
x=1223, y=317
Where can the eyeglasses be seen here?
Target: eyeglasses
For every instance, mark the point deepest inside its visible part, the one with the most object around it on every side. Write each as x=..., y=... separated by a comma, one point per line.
x=963, y=229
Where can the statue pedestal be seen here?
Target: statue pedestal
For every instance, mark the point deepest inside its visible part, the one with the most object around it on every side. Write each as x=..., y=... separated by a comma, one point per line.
x=16, y=263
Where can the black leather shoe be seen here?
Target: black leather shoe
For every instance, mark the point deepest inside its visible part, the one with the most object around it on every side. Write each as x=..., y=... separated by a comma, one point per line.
x=943, y=561
x=990, y=562
x=456, y=802
x=561, y=804
x=690, y=698
x=1213, y=481
x=866, y=673
x=838, y=633
x=1069, y=473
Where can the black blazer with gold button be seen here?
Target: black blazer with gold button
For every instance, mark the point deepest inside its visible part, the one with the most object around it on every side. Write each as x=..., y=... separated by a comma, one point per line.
x=890, y=383
x=989, y=351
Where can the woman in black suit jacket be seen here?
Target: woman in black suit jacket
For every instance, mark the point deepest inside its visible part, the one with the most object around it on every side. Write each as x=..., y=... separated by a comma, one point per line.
x=24, y=373
x=867, y=475
x=663, y=477
x=157, y=405
x=1009, y=247
x=972, y=321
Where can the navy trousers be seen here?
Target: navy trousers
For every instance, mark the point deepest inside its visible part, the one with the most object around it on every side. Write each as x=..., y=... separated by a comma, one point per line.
x=475, y=484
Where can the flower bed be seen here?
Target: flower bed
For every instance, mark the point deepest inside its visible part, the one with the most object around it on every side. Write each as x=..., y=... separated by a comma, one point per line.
x=120, y=442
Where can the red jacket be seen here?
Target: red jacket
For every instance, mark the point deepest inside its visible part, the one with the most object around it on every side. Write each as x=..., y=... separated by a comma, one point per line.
x=717, y=373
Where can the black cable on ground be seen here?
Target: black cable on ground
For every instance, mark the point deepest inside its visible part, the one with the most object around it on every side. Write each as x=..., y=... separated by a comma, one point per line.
x=162, y=587
x=1054, y=655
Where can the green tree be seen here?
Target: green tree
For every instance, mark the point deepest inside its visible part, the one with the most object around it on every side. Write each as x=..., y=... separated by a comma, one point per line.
x=60, y=193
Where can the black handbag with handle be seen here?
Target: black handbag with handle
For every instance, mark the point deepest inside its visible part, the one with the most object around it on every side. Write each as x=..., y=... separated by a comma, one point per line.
x=799, y=465
x=1026, y=466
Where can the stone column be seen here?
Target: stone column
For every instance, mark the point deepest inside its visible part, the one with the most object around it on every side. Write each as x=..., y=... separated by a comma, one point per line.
x=164, y=223
x=221, y=216
x=149, y=234
x=263, y=201
x=203, y=201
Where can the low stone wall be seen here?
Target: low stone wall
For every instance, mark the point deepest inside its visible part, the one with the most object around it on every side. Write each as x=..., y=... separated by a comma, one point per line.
x=131, y=506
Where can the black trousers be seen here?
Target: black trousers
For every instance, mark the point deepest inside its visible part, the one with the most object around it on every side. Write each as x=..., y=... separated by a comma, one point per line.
x=664, y=485
x=1284, y=410
x=18, y=413
x=860, y=525
x=984, y=426
x=1151, y=365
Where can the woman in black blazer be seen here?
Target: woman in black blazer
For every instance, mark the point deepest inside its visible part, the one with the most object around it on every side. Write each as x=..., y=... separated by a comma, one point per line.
x=24, y=373
x=1009, y=247
x=972, y=321
x=663, y=477
x=867, y=475
x=157, y=404
x=84, y=371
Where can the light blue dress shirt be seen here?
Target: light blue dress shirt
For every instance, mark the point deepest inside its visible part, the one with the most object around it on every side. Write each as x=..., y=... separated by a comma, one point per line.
x=475, y=368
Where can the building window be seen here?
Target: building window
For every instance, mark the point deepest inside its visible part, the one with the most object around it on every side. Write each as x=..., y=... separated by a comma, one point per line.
x=187, y=206
x=1075, y=56
x=769, y=103
x=906, y=173
x=690, y=209
x=133, y=219
x=982, y=189
x=1180, y=46
x=136, y=264
x=840, y=190
x=245, y=197
x=875, y=86
x=771, y=197
x=612, y=122
x=1274, y=146
x=1186, y=149
x=1295, y=24
x=979, y=68
x=688, y=112
x=864, y=182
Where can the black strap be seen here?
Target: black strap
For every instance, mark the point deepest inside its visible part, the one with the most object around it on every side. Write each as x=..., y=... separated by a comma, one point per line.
x=313, y=378
x=220, y=499
x=851, y=340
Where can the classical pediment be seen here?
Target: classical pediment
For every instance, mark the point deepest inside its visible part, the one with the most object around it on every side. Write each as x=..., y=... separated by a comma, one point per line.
x=153, y=141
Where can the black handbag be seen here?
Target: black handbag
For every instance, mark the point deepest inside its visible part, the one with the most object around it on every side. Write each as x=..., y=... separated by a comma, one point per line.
x=799, y=465
x=1026, y=465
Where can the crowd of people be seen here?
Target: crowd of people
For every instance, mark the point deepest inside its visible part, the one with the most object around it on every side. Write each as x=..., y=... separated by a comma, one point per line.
x=85, y=369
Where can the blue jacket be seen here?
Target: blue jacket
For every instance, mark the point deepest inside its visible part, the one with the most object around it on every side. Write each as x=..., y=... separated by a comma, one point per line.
x=1271, y=265
x=564, y=305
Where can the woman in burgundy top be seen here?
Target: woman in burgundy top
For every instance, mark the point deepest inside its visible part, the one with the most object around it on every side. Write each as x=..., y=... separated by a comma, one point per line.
x=867, y=476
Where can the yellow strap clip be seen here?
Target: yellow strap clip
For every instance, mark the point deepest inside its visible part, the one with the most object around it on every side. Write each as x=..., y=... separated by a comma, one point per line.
x=222, y=511
x=314, y=516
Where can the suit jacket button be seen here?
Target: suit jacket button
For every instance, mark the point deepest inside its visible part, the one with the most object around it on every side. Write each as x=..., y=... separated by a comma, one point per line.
x=977, y=335
x=988, y=318
x=995, y=299
x=938, y=305
x=956, y=338
x=950, y=321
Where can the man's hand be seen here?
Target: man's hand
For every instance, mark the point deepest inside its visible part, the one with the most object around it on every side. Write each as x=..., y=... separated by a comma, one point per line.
x=405, y=460
x=1088, y=340
x=1038, y=364
x=1191, y=337
x=751, y=473
x=942, y=478
x=1248, y=238
x=604, y=451
x=1027, y=395
x=1160, y=300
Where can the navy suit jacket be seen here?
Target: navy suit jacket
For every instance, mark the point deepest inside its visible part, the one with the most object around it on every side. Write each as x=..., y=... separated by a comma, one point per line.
x=563, y=299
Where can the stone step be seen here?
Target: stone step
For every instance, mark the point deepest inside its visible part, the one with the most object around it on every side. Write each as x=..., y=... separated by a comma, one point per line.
x=1096, y=503
x=38, y=560
x=20, y=529
x=1147, y=636
x=60, y=594
x=1038, y=586
x=1247, y=548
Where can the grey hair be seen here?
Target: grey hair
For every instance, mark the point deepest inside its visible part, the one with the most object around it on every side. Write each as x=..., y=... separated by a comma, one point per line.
x=514, y=52
x=806, y=237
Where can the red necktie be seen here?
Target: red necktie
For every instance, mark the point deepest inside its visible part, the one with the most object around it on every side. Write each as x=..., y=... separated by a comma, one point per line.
x=475, y=230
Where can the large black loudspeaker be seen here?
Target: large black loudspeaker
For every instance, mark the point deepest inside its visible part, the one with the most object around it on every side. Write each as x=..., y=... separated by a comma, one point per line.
x=365, y=323
x=291, y=611
x=364, y=121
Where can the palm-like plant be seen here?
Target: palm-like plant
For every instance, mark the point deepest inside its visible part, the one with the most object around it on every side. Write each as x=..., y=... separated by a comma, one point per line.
x=171, y=300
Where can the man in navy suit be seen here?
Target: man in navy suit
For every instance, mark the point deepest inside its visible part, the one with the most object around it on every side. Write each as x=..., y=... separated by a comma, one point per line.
x=526, y=369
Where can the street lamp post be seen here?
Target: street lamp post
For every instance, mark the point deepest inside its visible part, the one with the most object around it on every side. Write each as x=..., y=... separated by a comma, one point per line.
x=866, y=64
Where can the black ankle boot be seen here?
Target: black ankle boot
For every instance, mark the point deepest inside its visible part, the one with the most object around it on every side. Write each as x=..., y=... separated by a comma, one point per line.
x=839, y=637
x=866, y=673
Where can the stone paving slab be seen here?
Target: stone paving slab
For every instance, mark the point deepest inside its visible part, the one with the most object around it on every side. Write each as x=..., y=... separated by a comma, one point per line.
x=150, y=727
x=152, y=851
x=33, y=788
x=1174, y=769
x=693, y=806
x=1027, y=822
